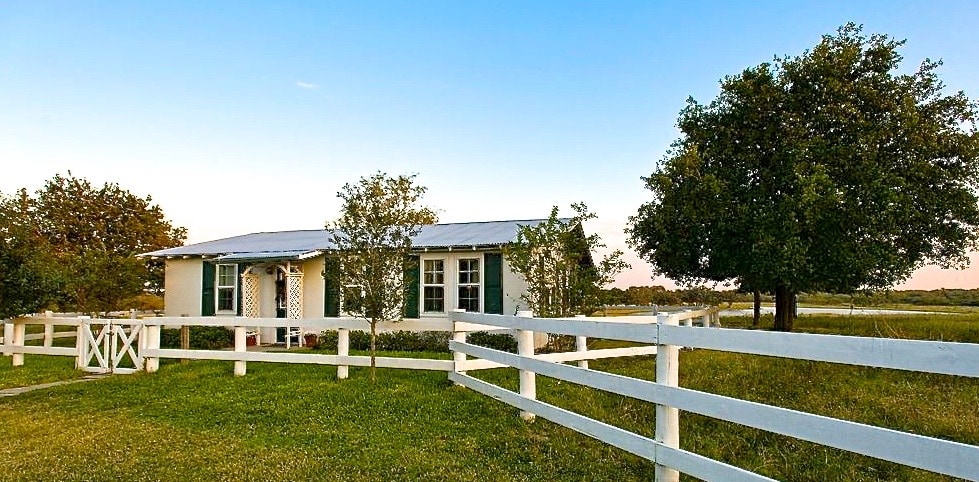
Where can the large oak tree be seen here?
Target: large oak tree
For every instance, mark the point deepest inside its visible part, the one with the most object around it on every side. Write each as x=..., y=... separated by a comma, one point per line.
x=74, y=244
x=826, y=171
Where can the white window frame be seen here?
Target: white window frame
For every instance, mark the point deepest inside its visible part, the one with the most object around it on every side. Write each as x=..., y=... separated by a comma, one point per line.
x=425, y=284
x=478, y=284
x=218, y=288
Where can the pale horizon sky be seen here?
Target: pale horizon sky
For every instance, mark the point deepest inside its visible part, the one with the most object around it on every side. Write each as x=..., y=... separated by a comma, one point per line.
x=243, y=117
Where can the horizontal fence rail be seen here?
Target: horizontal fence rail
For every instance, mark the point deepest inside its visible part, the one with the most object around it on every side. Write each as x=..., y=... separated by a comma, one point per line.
x=106, y=342
x=940, y=357
x=933, y=454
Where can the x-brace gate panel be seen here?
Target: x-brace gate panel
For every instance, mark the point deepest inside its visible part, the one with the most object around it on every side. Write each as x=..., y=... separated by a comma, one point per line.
x=106, y=345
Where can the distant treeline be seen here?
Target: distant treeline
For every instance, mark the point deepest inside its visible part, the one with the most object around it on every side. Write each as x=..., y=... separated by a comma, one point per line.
x=658, y=295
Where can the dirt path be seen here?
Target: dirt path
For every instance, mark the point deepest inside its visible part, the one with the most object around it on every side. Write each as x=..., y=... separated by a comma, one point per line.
x=9, y=392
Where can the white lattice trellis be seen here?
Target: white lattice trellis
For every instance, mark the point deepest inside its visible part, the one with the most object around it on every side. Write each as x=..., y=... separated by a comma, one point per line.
x=294, y=287
x=250, y=307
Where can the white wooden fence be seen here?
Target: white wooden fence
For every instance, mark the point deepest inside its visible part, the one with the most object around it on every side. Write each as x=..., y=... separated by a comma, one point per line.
x=140, y=341
x=101, y=345
x=936, y=455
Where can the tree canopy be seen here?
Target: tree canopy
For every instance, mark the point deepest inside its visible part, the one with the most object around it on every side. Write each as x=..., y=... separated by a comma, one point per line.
x=555, y=257
x=379, y=216
x=827, y=171
x=29, y=278
x=83, y=241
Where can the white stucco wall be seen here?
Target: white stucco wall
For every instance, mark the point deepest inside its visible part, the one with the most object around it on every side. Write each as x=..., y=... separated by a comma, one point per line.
x=313, y=286
x=514, y=285
x=183, y=287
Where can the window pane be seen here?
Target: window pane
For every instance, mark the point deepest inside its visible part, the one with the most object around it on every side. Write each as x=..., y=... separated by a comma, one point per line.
x=434, y=272
x=434, y=299
x=469, y=298
x=468, y=271
x=226, y=275
x=226, y=299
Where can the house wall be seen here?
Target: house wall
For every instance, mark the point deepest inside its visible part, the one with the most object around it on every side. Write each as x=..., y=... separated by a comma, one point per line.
x=514, y=286
x=313, y=287
x=182, y=295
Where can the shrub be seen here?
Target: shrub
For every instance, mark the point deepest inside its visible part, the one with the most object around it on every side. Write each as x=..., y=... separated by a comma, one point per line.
x=430, y=341
x=496, y=341
x=201, y=337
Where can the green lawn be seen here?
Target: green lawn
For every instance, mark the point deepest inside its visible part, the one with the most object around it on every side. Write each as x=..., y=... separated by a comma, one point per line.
x=36, y=370
x=196, y=421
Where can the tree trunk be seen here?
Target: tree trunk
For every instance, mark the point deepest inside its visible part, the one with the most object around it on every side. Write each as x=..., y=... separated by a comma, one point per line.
x=373, y=351
x=784, y=308
x=756, y=319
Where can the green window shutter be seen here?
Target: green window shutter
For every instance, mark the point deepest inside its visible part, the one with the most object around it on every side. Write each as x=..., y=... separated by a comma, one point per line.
x=207, y=288
x=241, y=269
x=493, y=284
x=412, y=278
x=331, y=286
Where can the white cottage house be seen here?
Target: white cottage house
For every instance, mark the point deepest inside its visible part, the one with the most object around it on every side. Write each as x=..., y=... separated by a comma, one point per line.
x=281, y=274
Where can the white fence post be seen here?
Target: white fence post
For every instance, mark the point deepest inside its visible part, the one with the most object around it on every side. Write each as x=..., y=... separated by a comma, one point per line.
x=667, y=418
x=343, y=349
x=581, y=345
x=153, y=343
x=528, y=380
x=20, y=330
x=458, y=358
x=240, y=347
x=81, y=345
x=48, y=330
x=8, y=336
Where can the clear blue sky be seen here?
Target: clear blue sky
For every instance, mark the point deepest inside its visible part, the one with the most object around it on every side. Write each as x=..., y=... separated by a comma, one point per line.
x=249, y=116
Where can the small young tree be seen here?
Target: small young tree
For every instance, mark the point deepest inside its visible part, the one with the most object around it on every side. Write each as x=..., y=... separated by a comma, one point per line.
x=380, y=215
x=555, y=258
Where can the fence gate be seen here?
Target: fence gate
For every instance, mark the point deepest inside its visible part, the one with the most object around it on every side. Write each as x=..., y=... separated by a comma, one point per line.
x=110, y=346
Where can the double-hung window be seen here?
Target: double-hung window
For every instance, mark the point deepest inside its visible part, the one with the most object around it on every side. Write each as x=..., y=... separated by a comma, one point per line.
x=469, y=284
x=433, y=285
x=227, y=287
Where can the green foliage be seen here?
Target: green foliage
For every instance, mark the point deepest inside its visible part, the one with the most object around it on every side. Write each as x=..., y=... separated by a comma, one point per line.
x=408, y=341
x=555, y=258
x=29, y=275
x=82, y=241
x=405, y=341
x=380, y=215
x=496, y=341
x=201, y=338
x=823, y=172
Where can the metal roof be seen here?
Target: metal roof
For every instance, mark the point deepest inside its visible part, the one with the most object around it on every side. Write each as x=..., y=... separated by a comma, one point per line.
x=288, y=244
x=270, y=256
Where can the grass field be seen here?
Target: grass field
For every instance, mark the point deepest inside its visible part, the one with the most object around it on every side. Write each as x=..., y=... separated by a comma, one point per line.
x=195, y=421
